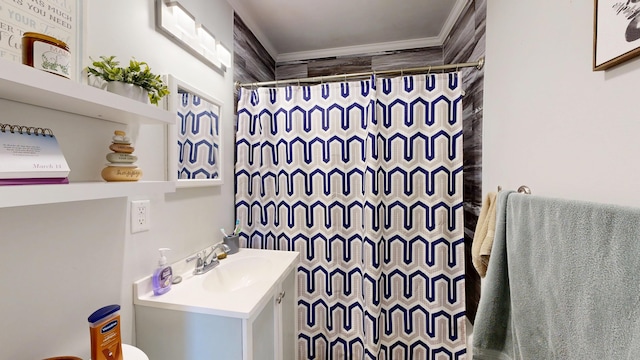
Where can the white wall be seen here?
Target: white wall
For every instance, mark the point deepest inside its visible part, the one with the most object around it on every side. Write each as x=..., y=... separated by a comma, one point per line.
x=61, y=262
x=550, y=122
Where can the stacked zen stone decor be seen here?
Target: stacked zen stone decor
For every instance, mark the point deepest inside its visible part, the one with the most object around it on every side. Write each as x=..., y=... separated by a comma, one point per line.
x=121, y=166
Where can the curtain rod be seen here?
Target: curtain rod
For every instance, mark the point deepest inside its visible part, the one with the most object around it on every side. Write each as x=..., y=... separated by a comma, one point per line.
x=478, y=65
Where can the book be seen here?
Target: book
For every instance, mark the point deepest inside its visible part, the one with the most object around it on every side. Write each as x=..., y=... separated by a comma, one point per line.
x=30, y=153
x=34, y=181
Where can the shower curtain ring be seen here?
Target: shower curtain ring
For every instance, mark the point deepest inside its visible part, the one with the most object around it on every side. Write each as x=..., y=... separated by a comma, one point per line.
x=429, y=71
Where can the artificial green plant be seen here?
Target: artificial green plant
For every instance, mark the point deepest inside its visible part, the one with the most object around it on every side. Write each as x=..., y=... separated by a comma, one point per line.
x=137, y=73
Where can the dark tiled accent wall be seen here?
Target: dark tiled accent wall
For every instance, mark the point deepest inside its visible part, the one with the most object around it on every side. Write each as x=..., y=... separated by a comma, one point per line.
x=406, y=59
x=388, y=60
x=252, y=63
x=466, y=43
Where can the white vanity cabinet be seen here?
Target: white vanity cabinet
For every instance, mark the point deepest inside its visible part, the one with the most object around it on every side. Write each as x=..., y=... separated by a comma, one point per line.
x=24, y=88
x=272, y=334
x=253, y=322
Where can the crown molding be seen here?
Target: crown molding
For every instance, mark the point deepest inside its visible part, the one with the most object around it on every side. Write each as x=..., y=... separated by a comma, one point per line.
x=359, y=49
x=240, y=8
x=453, y=17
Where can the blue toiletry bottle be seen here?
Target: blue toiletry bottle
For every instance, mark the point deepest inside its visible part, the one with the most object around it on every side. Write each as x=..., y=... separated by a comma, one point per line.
x=163, y=275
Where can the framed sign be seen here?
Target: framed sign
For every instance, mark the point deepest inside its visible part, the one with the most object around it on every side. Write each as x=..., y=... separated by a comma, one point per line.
x=616, y=32
x=60, y=19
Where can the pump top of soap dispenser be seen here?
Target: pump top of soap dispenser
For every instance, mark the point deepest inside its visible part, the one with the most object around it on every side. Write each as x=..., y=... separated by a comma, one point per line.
x=163, y=259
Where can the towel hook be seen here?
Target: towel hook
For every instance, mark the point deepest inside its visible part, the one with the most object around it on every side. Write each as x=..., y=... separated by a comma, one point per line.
x=524, y=190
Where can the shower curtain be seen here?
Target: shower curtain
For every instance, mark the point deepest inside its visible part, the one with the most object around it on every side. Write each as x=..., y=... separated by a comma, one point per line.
x=198, y=138
x=364, y=179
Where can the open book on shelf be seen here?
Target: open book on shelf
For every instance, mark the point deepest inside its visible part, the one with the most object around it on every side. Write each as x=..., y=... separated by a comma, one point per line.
x=30, y=155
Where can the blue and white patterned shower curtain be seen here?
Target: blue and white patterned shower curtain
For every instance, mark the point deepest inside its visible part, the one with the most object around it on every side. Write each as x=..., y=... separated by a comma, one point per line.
x=198, y=138
x=364, y=179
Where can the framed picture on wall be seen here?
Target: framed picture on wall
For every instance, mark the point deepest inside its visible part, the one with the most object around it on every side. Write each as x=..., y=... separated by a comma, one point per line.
x=60, y=19
x=616, y=32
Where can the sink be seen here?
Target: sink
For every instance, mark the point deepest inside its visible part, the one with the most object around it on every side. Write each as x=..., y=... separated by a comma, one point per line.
x=241, y=285
x=235, y=274
x=239, y=306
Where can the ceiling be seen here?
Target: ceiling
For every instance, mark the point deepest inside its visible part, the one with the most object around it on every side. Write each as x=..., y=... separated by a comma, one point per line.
x=306, y=29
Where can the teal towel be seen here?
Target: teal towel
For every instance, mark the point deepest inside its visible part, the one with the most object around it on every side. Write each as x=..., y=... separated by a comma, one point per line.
x=563, y=282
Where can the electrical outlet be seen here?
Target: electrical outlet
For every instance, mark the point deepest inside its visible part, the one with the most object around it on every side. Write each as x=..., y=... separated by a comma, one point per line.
x=140, y=216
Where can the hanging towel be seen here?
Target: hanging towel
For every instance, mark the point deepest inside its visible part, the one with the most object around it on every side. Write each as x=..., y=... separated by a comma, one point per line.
x=484, y=235
x=562, y=282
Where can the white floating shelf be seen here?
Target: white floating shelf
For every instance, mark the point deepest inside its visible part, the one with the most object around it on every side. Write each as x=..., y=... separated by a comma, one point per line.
x=27, y=85
x=23, y=195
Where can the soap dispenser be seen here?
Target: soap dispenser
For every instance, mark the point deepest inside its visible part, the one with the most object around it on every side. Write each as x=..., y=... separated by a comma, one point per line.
x=163, y=275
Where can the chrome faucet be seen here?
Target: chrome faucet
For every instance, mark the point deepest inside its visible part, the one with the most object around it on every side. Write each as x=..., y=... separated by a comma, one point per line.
x=203, y=264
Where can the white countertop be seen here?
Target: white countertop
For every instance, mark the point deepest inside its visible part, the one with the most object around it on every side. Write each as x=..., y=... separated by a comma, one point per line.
x=256, y=280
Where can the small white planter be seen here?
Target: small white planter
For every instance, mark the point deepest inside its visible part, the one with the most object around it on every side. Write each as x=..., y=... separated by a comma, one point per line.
x=129, y=90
